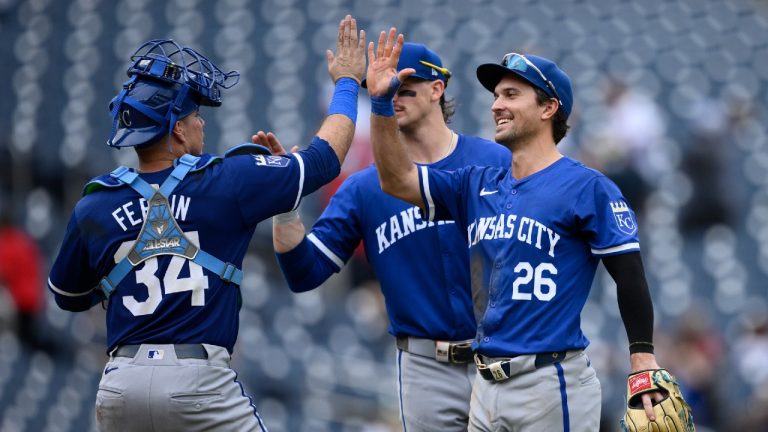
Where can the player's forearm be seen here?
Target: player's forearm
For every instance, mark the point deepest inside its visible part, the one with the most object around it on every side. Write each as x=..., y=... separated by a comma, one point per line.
x=287, y=231
x=397, y=173
x=635, y=304
x=338, y=129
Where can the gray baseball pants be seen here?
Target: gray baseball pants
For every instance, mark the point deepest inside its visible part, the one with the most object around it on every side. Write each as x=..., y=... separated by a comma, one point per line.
x=563, y=396
x=434, y=396
x=156, y=391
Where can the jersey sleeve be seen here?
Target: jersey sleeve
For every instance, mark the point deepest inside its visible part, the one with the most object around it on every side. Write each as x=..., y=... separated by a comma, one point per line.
x=330, y=243
x=338, y=231
x=267, y=185
x=607, y=221
x=443, y=193
x=71, y=279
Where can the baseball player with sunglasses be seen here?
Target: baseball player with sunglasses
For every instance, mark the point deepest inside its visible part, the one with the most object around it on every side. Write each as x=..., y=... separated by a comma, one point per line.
x=539, y=228
x=163, y=244
x=426, y=289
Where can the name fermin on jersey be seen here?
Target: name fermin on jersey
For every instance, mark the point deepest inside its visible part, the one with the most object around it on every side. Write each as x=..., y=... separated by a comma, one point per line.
x=505, y=226
x=179, y=207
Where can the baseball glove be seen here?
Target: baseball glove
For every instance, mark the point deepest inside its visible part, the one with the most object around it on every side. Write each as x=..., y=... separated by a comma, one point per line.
x=672, y=413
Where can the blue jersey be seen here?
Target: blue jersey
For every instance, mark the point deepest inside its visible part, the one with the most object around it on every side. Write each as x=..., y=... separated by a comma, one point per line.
x=535, y=243
x=169, y=299
x=422, y=266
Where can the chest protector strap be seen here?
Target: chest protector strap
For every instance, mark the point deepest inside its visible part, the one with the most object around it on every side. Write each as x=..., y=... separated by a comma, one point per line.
x=160, y=234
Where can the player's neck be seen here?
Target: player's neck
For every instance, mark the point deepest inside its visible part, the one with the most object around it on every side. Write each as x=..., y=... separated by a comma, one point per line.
x=532, y=158
x=429, y=143
x=155, y=165
x=156, y=158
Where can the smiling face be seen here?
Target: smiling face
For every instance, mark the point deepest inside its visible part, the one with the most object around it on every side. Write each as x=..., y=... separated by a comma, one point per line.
x=518, y=116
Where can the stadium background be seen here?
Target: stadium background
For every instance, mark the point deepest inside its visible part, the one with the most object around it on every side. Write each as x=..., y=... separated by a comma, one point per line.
x=669, y=101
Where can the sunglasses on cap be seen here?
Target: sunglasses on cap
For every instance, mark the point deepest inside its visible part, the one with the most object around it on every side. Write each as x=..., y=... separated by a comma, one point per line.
x=442, y=70
x=519, y=62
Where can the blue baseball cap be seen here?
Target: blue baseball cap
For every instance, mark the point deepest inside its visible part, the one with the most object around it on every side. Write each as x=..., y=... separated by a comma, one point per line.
x=426, y=62
x=539, y=71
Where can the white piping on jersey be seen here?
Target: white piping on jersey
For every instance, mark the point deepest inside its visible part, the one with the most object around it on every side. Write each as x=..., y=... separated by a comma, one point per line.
x=619, y=248
x=430, y=203
x=68, y=294
x=324, y=249
x=301, y=180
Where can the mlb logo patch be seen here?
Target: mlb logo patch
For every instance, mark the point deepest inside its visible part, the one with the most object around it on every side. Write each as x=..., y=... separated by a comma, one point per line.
x=623, y=216
x=156, y=354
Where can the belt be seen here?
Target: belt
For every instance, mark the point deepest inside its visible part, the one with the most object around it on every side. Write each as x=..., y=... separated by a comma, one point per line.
x=183, y=351
x=502, y=370
x=442, y=351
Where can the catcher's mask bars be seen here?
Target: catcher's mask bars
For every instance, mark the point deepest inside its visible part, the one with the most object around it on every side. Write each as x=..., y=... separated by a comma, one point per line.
x=166, y=83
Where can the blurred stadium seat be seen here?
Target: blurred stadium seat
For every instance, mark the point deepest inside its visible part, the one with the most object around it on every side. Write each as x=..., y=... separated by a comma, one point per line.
x=322, y=361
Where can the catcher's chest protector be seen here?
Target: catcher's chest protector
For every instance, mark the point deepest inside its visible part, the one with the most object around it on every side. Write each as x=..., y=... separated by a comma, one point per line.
x=160, y=234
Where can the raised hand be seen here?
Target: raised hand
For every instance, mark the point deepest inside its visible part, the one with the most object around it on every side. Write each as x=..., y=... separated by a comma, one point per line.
x=349, y=59
x=270, y=141
x=382, y=78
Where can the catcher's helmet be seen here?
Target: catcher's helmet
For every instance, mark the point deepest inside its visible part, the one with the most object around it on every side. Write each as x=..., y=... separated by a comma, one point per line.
x=167, y=83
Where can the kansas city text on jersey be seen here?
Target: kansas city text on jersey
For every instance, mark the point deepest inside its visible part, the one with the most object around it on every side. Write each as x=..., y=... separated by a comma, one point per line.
x=135, y=216
x=507, y=226
x=401, y=225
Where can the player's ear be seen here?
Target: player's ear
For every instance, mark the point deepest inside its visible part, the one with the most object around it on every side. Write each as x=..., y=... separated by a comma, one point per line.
x=438, y=88
x=178, y=130
x=550, y=109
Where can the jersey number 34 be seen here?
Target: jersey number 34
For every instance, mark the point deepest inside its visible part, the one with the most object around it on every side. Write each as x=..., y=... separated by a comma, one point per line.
x=196, y=282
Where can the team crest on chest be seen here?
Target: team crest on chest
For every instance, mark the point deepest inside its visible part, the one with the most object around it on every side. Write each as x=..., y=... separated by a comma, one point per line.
x=623, y=217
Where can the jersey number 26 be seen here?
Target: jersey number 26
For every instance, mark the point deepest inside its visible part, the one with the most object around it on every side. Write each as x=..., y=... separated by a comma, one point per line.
x=544, y=288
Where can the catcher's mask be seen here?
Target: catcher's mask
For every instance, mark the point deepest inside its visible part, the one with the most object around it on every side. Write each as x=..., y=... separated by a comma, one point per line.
x=166, y=83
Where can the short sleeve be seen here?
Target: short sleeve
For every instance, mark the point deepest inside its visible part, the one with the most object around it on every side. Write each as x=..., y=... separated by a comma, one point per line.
x=443, y=193
x=606, y=220
x=71, y=274
x=338, y=230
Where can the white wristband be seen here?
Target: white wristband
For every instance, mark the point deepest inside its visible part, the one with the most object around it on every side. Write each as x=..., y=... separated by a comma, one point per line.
x=285, y=217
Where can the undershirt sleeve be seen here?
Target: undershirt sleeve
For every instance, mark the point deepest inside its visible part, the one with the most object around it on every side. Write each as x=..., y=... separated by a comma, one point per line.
x=635, y=305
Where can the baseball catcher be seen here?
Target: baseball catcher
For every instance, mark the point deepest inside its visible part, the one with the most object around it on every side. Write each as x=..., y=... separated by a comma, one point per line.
x=672, y=412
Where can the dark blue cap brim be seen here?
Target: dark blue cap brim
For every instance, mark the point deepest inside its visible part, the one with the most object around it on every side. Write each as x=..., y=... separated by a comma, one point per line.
x=490, y=74
x=125, y=137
